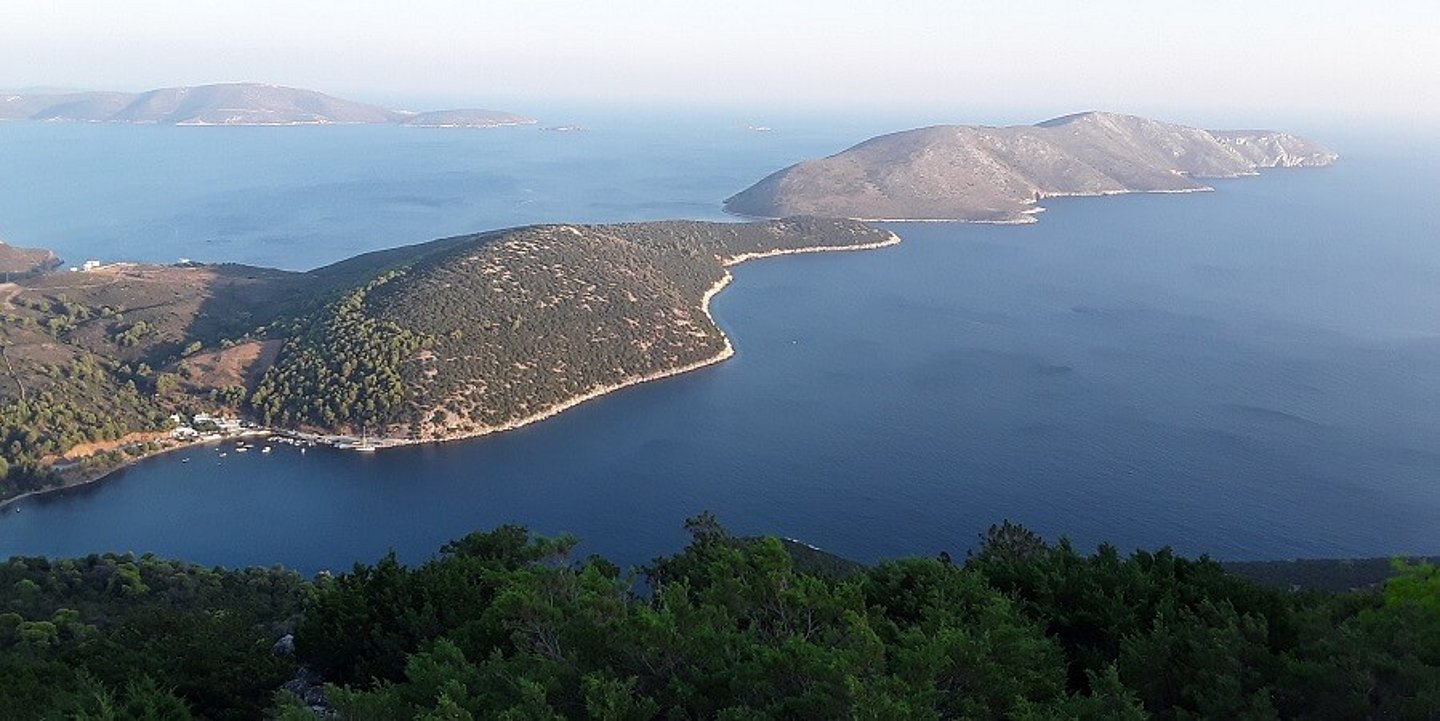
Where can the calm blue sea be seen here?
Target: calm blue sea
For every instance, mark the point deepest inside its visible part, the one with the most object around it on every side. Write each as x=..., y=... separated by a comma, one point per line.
x=1250, y=373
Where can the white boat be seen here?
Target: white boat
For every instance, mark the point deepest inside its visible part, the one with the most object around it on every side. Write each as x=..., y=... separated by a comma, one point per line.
x=364, y=446
x=266, y=449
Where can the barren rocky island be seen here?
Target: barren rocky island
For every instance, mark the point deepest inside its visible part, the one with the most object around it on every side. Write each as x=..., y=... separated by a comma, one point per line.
x=999, y=174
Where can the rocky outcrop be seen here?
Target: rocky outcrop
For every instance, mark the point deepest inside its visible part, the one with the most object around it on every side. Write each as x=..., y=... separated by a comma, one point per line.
x=1271, y=149
x=25, y=261
x=309, y=687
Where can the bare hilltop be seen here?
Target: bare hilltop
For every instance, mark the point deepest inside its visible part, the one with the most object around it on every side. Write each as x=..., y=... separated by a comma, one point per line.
x=232, y=104
x=21, y=261
x=999, y=174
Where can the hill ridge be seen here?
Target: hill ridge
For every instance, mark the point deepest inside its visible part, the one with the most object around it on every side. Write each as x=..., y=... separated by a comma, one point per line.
x=235, y=103
x=998, y=174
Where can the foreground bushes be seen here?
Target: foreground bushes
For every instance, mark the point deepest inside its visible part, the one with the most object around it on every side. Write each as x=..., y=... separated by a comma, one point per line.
x=120, y=637
x=506, y=625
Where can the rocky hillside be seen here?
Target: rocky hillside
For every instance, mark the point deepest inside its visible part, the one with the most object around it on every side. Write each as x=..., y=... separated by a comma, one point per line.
x=19, y=261
x=231, y=104
x=998, y=174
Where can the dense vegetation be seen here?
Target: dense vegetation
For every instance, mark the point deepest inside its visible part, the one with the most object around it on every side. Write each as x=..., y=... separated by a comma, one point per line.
x=85, y=401
x=469, y=333
x=1320, y=573
x=505, y=625
x=443, y=338
x=120, y=637
x=343, y=369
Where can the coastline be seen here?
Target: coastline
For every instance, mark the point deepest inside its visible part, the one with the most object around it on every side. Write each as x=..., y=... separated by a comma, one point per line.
x=734, y=260
x=98, y=475
x=727, y=351
x=470, y=126
x=342, y=442
x=1026, y=216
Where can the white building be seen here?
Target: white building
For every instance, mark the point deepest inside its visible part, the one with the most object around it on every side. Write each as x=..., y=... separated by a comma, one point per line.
x=223, y=424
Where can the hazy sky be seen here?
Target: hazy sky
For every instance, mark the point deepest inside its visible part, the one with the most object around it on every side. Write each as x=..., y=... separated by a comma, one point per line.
x=1215, y=59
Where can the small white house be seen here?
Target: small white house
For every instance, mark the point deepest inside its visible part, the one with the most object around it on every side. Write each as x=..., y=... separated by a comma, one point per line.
x=90, y=265
x=184, y=433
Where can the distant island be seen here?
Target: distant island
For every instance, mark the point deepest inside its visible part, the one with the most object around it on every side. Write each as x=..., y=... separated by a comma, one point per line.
x=233, y=104
x=448, y=339
x=999, y=174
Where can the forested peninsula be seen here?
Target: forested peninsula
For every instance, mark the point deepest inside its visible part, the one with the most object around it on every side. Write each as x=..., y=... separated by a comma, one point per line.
x=453, y=338
x=506, y=625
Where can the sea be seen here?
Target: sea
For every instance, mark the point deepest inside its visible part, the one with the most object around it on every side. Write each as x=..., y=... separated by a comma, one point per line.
x=1252, y=373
